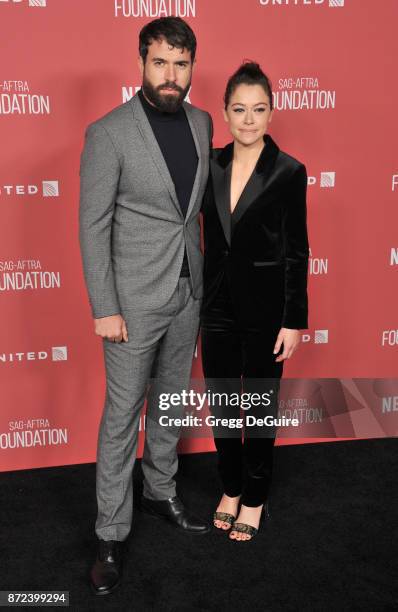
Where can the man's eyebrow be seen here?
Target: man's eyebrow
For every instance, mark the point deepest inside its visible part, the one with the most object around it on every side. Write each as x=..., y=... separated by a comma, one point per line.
x=161, y=59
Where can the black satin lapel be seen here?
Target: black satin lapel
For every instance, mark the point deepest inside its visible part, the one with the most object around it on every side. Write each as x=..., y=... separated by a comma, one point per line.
x=221, y=178
x=253, y=188
x=258, y=181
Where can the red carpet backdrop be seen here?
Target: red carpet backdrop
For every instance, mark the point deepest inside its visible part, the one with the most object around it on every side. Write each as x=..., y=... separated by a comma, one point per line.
x=64, y=63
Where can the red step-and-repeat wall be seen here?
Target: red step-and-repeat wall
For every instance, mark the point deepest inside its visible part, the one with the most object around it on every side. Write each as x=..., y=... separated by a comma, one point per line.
x=64, y=63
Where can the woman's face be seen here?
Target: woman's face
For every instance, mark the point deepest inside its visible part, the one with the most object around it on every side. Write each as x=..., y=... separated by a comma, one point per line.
x=248, y=114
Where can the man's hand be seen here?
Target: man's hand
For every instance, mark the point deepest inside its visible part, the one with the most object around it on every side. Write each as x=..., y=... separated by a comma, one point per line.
x=112, y=328
x=290, y=339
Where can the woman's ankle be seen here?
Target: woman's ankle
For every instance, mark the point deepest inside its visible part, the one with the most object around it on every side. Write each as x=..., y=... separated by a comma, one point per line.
x=232, y=497
x=251, y=507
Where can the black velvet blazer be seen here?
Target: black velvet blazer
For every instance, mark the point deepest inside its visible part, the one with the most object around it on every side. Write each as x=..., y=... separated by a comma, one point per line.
x=262, y=248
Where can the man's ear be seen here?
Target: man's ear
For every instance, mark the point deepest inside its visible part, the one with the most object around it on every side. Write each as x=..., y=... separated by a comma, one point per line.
x=141, y=64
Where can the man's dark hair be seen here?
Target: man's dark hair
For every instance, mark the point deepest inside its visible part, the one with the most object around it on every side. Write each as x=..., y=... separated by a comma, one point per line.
x=174, y=30
x=249, y=73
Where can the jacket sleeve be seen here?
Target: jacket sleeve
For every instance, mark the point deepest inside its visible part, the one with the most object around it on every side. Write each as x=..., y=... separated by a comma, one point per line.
x=211, y=130
x=99, y=178
x=295, y=239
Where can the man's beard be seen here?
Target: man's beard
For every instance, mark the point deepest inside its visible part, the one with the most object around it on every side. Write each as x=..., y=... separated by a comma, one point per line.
x=163, y=102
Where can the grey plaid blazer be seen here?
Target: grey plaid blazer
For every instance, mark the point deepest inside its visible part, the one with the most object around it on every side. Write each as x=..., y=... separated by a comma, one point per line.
x=132, y=232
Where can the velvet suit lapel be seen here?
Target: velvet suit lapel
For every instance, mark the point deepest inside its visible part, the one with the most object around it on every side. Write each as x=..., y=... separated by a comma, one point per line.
x=258, y=181
x=221, y=178
x=256, y=185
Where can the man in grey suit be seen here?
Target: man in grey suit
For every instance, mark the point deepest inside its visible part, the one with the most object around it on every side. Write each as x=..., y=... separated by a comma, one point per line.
x=143, y=172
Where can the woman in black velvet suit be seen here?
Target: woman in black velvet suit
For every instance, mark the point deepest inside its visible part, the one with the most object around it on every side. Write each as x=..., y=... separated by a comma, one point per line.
x=255, y=288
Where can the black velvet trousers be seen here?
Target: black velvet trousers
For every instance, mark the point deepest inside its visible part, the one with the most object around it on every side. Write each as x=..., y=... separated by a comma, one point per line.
x=238, y=358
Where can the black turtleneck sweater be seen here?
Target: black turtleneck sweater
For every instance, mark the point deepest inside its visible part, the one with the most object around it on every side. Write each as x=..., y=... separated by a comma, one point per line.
x=174, y=136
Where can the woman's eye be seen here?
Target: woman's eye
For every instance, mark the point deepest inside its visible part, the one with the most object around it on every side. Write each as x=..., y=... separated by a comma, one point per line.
x=260, y=110
x=238, y=110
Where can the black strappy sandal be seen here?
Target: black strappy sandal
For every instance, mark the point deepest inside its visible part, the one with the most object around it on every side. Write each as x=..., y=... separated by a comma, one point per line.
x=225, y=517
x=249, y=529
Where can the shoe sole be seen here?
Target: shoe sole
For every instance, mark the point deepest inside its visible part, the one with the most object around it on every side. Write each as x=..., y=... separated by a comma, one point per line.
x=165, y=518
x=108, y=591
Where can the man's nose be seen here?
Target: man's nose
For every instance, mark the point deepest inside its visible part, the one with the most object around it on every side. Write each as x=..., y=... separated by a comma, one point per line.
x=171, y=73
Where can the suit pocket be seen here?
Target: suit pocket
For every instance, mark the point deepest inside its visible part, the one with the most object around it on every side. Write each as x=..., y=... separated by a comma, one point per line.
x=262, y=264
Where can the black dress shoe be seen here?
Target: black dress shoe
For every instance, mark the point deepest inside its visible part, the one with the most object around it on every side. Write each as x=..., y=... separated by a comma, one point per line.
x=173, y=510
x=105, y=575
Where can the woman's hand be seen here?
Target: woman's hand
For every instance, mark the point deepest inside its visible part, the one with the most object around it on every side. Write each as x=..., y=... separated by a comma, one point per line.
x=290, y=339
